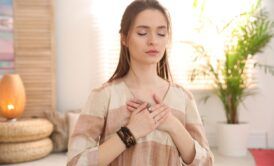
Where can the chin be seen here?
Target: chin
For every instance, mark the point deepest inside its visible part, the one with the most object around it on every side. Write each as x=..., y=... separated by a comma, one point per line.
x=152, y=62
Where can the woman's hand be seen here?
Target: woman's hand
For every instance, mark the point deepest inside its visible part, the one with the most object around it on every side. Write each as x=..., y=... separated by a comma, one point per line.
x=142, y=122
x=159, y=112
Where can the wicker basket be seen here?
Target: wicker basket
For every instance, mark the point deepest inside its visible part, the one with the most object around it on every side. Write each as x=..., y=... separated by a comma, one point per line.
x=27, y=151
x=24, y=130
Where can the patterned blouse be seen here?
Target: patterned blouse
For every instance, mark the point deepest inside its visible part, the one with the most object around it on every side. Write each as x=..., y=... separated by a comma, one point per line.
x=105, y=113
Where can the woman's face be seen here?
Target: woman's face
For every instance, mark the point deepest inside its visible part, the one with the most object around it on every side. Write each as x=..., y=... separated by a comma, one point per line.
x=148, y=37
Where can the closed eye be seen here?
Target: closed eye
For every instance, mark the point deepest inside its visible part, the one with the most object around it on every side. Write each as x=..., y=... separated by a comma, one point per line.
x=141, y=34
x=162, y=34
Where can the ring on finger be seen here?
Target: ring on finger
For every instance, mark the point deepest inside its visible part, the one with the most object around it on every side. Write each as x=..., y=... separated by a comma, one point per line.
x=149, y=108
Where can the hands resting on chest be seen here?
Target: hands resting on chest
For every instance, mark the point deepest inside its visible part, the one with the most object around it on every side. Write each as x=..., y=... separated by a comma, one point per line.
x=145, y=118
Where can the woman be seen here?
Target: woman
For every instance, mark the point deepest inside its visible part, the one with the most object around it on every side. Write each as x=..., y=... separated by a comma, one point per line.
x=139, y=117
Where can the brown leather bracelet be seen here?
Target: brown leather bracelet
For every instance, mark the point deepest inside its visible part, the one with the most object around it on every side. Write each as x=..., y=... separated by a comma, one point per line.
x=126, y=136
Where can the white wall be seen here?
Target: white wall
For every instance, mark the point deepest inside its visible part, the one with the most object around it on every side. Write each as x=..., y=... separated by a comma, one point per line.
x=77, y=55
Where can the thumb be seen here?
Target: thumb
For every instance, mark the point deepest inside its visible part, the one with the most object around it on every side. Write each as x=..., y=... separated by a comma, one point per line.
x=157, y=99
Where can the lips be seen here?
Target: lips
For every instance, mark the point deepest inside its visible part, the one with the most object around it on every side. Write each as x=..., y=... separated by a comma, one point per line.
x=152, y=52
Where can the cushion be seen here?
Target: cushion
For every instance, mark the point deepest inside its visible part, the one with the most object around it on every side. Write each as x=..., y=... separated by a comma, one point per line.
x=26, y=151
x=59, y=135
x=25, y=130
x=72, y=118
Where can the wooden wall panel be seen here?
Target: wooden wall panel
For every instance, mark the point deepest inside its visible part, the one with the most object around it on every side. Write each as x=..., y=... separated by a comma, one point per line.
x=34, y=46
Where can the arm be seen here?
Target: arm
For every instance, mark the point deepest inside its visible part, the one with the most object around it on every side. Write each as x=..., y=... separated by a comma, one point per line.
x=140, y=124
x=191, y=143
x=84, y=148
x=183, y=141
x=190, y=139
x=180, y=136
x=194, y=128
x=110, y=149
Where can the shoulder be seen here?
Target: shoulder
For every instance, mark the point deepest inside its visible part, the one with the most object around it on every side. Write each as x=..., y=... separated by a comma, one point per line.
x=98, y=101
x=100, y=92
x=183, y=90
x=106, y=87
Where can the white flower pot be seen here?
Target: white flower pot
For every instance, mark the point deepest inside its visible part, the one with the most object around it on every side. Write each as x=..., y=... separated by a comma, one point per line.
x=232, y=139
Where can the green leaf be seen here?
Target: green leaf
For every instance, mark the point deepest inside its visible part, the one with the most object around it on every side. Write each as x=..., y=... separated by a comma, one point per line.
x=253, y=33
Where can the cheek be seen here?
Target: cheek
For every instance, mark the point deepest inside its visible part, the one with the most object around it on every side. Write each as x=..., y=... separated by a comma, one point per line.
x=163, y=45
x=164, y=42
x=136, y=45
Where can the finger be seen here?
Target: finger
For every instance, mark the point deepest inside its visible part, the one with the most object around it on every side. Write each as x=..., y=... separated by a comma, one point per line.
x=158, y=110
x=163, y=118
x=156, y=106
x=140, y=108
x=160, y=121
x=133, y=104
x=135, y=101
x=157, y=99
x=161, y=114
x=131, y=108
x=138, y=101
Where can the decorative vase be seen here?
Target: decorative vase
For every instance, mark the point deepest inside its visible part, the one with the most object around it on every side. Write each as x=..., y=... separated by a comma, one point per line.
x=12, y=96
x=232, y=139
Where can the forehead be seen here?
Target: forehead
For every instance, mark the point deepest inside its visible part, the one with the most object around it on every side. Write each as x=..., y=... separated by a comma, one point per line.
x=151, y=18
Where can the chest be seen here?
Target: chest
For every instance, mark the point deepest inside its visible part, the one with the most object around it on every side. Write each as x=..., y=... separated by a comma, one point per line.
x=147, y=94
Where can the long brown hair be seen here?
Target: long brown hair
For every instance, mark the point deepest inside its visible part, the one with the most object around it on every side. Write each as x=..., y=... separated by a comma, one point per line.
x=128, y=18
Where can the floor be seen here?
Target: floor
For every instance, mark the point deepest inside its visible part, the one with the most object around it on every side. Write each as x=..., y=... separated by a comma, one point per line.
x=59, y=159
x=233, y=161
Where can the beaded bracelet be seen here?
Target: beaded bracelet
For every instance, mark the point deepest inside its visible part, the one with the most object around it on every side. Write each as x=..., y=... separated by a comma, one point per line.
x=126, y=136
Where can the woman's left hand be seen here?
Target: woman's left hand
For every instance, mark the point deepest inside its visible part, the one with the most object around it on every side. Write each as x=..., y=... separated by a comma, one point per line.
x=168, y=123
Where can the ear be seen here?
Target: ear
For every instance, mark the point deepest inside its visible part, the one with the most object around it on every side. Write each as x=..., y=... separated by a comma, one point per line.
x=124, y=40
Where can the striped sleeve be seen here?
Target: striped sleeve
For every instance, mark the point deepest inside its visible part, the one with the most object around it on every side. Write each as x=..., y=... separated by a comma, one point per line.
x=84, y=141
x=203, y=155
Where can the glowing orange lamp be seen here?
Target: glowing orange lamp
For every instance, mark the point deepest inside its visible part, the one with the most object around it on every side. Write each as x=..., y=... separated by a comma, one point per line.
x=12, y=96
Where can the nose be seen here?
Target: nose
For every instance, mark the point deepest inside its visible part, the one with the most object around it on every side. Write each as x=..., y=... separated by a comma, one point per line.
x=152, y=39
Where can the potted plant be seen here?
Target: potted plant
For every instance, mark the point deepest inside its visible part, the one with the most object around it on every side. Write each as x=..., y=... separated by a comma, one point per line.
x=249, y=35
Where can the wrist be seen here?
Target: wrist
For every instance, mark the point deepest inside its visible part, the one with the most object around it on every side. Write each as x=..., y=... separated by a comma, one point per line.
x=126, y=136
x=134, y=132
x=174, y=127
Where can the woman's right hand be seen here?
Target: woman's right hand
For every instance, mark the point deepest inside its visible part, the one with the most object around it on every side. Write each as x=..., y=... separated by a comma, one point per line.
x=141, y=122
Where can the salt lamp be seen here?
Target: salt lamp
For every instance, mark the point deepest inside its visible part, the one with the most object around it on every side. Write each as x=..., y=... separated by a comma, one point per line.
x=12, y=96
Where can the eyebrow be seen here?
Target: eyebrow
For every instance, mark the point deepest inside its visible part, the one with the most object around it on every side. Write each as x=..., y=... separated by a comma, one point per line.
x=147, y=27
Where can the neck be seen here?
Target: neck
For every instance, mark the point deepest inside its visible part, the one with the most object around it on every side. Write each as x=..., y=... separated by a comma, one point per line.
x=143, y=76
